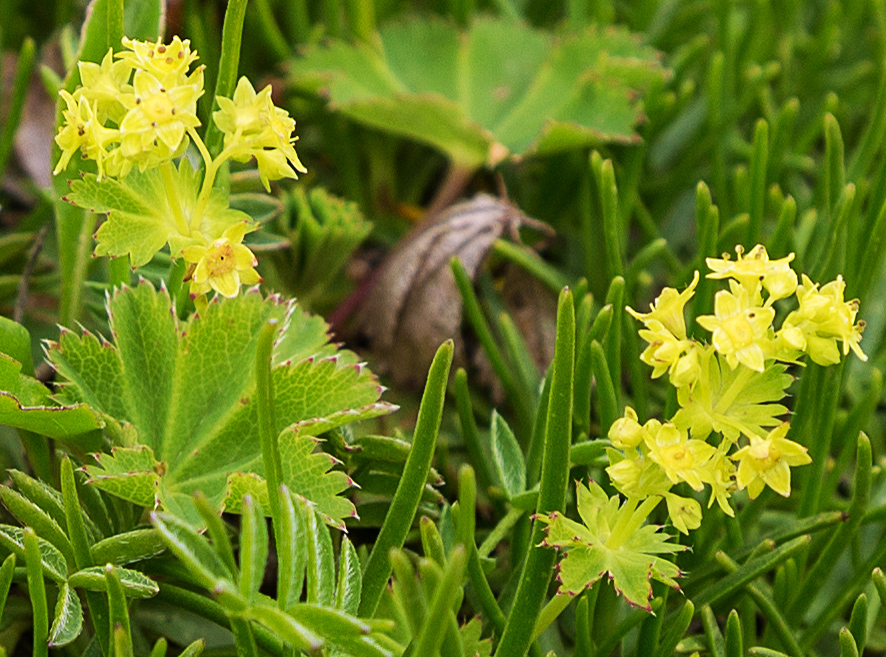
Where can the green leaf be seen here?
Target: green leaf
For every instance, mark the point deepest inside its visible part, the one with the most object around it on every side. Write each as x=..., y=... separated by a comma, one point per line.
x=591, y=550
x=472, y=644
x=253, y=548
x=25, y=404
x=134, y=583
x=752, y=410
x=321, y=563
x=140, y=216
x=68, y=621
x=31, y=515
x=13, y=539
x=350, y=579
x=502, y=88
x=507, y=456
x=16, y=343
x=187, y=389
x=191, y=549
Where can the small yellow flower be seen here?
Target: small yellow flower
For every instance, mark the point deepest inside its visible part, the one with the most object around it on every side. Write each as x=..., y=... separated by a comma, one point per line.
x=823, y=318
x=81, y=131
x=168, y=63
x=223, y=266
x=626, y=432
x=254, y=127
x=767, y=462
x=104, y=85
x=153, y=129
x=740, y=329
x=668, y=309
x=684, y=512
x=681, y=458
x=776, y=276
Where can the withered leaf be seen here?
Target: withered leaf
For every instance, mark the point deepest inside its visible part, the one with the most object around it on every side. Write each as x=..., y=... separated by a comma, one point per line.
x=414, y=304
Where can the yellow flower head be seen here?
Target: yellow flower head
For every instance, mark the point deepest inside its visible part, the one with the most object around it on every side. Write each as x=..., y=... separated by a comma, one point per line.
x=626, y=432
x=767, y=462
x=153, y=129
x=223, y=266
x=824, y=317
x=668, y=309
x=104, y=85
x=254, y=127
x=776, y=276
x=82, y=132
x=169, y=63
x=684, y=512
x=681, y=458
x=740, y=329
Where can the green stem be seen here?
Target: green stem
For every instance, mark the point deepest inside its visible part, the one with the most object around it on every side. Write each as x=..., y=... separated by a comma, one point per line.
x=549, y=613
x=734, y=389
x=212, y=167
x=267, y=423
x=37, y=592
x=167, y=170
x=415, y=473
x=229, y=60
x=539, y=563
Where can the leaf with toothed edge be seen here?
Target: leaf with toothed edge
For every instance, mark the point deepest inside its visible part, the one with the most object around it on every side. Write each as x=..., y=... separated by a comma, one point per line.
x=140, y=217
x=589, y=554
x=187, y=389
x=25, y=403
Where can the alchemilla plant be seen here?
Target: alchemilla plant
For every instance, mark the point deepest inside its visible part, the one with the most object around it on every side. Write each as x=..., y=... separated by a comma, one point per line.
x=135, y=116
x=197, y=461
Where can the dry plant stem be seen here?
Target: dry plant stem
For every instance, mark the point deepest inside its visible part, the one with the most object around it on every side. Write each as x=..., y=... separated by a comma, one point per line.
x=450, y=189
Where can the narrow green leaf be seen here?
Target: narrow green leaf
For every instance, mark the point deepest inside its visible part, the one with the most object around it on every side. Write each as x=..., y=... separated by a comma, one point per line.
x=33, y=516
x=79, y=543
x=552, y=490
x=34, y=554
x=507, y=457
x=232, y=35
x=470, y=435
x=194, y=649
x=847, y=644
x=292, y=556
x=467, y=506
x=759, y=167
x=431, y=636
x=751, y=570
x=191, y=549
x=350, y=579
x=858, y=622
x=676, y=628
x=159, y=649
x=68, y=621
x=716, y=643
x=321, y=562
x=835, y=170
x=734, y=641
x=253, y=548
x=134, y=583
x=217, y=531
x=119, y=613
x=287, y=628
x=16, y=100
x=135, y=545
x=267, y=423
x=52, y=561
x=407, y=592
x=7, y=570
x=405, y=503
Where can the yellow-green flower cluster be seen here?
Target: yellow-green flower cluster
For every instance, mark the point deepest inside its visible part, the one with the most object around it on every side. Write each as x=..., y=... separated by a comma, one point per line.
x=138, y=108
x=744, y=354
x=135, y=108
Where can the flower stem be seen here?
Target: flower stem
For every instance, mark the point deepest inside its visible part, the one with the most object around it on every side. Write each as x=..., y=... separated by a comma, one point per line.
x=737, y=385
x=549, y=613
x=168, y=172
x=212, y=167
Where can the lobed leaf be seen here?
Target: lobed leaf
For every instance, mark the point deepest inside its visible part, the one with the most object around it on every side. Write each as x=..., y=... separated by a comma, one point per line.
x=134, y=583
x=68, y=621
x=185, y=390
x=501, y=88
